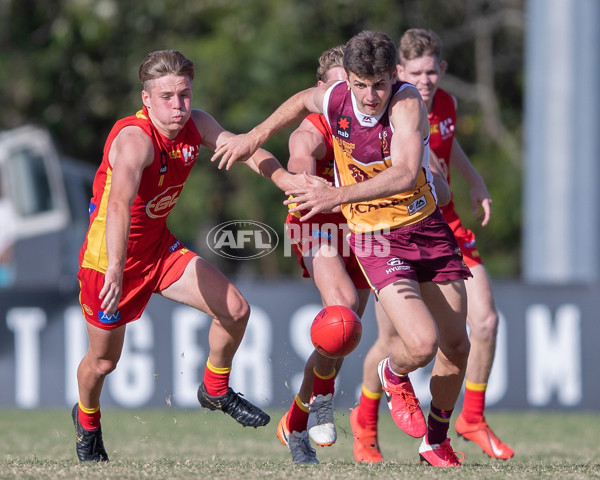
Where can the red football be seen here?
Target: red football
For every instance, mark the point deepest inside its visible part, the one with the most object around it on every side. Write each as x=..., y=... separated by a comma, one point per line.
x=336, y=331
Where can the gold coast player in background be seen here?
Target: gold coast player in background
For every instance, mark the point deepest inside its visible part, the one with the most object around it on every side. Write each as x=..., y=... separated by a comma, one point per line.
x=324, y=256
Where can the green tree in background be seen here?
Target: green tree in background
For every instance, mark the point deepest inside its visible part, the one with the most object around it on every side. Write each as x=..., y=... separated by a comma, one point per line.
x=71, y=65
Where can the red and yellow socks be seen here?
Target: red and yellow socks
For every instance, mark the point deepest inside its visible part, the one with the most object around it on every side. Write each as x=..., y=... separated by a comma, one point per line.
x=323, y=385
x=89, y=417
x=368, y=413
x=474, y=401
x=297, y=419
x=216, y=380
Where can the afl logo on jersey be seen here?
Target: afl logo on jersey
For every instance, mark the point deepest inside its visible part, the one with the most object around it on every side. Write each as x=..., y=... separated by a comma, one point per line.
x=343, y=125
x=163, y=203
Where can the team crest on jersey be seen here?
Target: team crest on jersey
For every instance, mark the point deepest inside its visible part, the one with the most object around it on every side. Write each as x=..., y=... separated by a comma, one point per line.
x=359, y=175
x=385, y=145
x=343, y=125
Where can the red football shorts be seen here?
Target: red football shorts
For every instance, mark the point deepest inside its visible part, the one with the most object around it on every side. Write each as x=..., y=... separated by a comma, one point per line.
x=466, y=241
x=137, y=286
x=425, y=252
x=330, y=229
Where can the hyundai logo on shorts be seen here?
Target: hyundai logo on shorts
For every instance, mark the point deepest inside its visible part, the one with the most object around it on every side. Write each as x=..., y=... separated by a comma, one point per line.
x=242, y=239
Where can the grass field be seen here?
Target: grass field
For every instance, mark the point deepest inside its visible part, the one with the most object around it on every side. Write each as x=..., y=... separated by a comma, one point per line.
x=185, y=444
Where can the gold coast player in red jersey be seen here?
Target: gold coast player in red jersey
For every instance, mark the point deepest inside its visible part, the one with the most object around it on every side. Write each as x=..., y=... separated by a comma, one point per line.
x=407, y=251
x=129, y=253
x=421, y=63
x=324, y=256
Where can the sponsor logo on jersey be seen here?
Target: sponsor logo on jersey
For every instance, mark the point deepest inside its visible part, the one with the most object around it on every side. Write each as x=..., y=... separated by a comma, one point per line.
x=190, y=153
x=343, y=125
x=416, y=205
x=163, y=203
x=104, y=317
x=242, y=239
x=446, y=128
x=371, y=206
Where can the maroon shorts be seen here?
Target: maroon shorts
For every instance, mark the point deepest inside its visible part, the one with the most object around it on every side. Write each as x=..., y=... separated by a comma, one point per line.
x=466, y=242
x=138, y=286
x=425, y=252
x=304, y=236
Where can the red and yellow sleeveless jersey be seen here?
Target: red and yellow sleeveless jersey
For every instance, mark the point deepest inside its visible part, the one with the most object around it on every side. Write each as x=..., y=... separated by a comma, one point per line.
x=160, y=187
x=362, y=150
x=325, y=167
x=442, y=124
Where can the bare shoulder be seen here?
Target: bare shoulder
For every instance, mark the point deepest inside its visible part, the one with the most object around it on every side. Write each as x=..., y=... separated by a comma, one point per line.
x=209, y=128
x=316, y=95
x=132, y=145
x=407, y=107
x=407, y=92
x=307, y=130
x=307, y=139
x=202, y=120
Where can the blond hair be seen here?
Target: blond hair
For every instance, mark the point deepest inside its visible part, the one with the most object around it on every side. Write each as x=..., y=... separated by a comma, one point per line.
x=164, y=62
x=334, y=57
x=419, y=42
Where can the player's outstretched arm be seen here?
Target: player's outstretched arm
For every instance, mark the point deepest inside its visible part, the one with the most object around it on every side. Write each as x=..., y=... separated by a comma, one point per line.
x=479, y=192
x=409, y=117
x=262, y=162
x=266, y=165
x=292, y=111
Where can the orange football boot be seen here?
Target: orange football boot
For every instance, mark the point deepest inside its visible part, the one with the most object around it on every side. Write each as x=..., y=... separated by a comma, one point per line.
x=366, y=447
x=482, y=435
